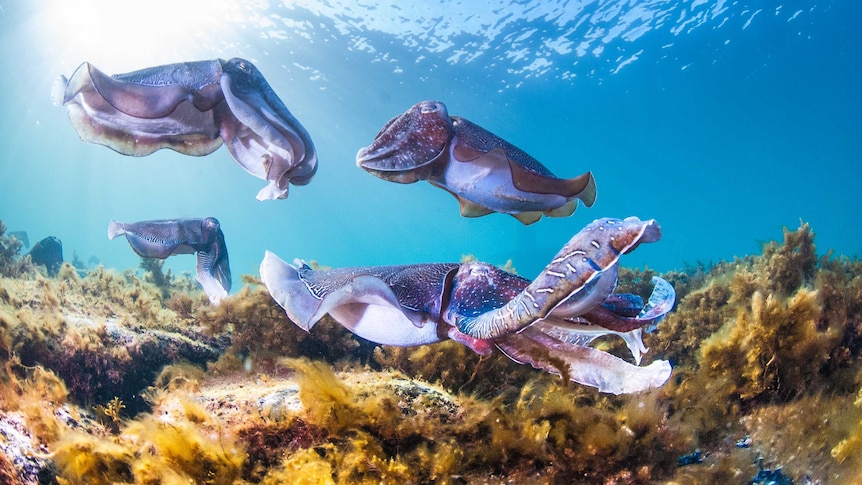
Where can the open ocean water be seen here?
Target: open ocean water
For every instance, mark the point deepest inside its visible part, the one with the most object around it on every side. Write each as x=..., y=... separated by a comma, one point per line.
x=723, y=120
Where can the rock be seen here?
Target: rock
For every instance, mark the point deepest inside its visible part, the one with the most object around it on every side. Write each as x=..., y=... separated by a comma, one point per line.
x=49, y=253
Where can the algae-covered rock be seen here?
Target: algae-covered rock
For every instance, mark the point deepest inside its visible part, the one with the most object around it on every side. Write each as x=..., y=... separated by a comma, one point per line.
x=99, y=336
x=766, y=352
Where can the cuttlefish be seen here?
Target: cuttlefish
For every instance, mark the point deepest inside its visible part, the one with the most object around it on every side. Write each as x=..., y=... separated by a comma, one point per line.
x=192, y=108
x=163, y=238
x=484, y=172
x=550, y=325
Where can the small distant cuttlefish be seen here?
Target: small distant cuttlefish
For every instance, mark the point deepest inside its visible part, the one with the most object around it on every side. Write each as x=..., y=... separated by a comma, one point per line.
x=160, y=239
x=192, y=108
x=484, y=172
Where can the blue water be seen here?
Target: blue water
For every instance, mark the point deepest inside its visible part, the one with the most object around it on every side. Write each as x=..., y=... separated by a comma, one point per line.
x=725, y=121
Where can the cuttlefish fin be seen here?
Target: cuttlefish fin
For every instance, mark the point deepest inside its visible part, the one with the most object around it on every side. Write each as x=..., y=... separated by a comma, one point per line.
x=582, y=187
x=564, y=210
x=527, y=218
x=471, y=209
x=468, y=208
x=305, y=309
x=583, y=365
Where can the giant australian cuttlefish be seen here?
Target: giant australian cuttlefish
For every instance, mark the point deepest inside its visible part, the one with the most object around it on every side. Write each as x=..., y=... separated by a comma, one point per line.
x=547, y=323
x=483, y=171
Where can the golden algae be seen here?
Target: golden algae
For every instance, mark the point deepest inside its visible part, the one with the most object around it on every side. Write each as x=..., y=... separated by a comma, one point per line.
x=763, y=346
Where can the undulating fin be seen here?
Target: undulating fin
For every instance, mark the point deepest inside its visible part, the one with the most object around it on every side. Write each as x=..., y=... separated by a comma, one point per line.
x=149, y=101
x=582, y=187
x=564, y=210
x=471, y=209
x=528, y=218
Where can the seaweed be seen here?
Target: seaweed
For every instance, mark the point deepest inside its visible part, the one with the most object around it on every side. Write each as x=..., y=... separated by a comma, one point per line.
x=12, y=264
x=766, y=347
x=176, y=447
x=260, y=333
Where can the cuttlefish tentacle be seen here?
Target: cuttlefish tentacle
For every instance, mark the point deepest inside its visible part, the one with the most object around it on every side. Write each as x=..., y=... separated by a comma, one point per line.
x=590, y=253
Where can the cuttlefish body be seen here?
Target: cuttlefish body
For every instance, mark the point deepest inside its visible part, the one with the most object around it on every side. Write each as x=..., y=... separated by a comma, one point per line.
x=192, y=108
x=163, y=238
x=484, y=172
x=426, y=303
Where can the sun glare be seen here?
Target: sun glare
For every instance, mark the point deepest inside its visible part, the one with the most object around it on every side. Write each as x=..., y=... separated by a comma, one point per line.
x=127, y=35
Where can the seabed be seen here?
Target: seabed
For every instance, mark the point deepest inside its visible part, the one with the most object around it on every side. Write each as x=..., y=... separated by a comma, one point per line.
x=133, y=377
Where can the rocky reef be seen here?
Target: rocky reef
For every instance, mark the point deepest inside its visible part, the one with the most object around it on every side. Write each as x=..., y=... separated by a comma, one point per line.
x=125, y=377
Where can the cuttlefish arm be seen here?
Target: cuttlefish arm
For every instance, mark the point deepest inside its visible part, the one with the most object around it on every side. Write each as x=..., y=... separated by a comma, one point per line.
x=261, y=133
x=484, y=172
x=606, y=319
x=192, y=108
x=571, y=275
x=389, y=305
x=581, y=364
x=163, y=238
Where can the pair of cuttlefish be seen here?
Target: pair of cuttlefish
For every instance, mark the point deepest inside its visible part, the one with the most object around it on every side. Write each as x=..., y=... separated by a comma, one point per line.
x=549, y=322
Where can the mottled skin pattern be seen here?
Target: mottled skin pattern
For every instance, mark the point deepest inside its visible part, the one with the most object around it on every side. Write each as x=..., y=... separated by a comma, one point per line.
x=192, y=108
x=163, y=238
x=418, y=287
x=592, y=251
x=484, y=172
x=409, y=147
x=424, y=303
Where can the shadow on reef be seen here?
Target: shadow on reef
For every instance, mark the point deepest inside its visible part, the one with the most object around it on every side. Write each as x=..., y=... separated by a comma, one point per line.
x=119, y=378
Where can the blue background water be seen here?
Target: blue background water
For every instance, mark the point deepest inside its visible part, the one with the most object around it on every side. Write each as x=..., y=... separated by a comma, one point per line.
x=725, y=121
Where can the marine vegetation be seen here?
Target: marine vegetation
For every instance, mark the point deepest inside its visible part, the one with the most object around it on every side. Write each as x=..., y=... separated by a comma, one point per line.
x=11, y=262
x=767, y=382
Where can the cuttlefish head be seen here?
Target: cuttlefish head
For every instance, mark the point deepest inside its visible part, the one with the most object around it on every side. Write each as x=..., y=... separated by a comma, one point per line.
x=406, y=148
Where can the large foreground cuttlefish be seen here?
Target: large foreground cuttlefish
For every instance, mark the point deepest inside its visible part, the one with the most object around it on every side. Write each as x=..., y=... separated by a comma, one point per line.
x=547, y=323
x=484, y=172
x=192, y=108
x=163, y=238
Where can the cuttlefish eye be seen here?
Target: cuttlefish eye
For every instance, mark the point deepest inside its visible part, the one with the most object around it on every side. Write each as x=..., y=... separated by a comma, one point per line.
x=430, y=107
x=244, y=66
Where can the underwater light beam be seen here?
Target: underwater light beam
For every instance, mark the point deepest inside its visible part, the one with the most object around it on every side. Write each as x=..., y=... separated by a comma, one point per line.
x=127, y=35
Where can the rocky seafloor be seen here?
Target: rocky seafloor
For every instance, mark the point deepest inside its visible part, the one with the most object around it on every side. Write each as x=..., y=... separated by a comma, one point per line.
x=133, y=377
